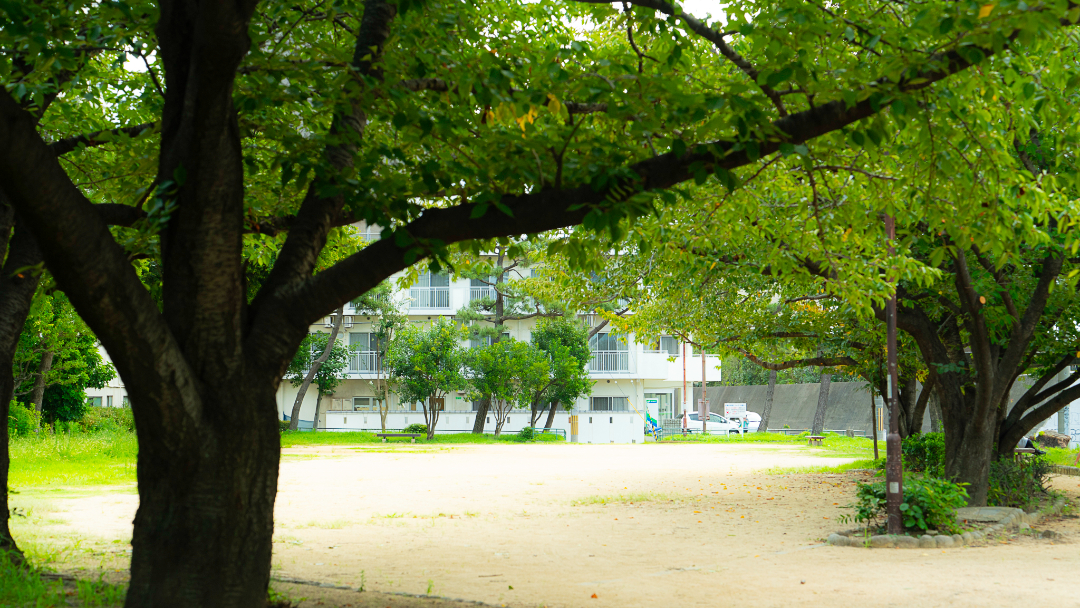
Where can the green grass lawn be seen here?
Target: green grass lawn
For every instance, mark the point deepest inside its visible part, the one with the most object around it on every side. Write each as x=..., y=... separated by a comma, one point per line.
x=296, y=438
x=72, y=460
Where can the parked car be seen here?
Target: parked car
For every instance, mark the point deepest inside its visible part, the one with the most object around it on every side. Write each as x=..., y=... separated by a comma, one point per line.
x=750, y=424
x=715, y=425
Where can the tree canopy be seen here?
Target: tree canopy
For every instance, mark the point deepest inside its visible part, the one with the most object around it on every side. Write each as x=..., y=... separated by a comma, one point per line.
x=258, y=130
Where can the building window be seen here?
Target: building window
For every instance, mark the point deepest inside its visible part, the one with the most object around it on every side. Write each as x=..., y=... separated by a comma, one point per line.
x=108, y=401
x=667, y=345
x=610, y=353
x=430, y=291
x=93, y=401
x=124, y=401
x=364, y=404
x=477, y=342
x=609, y=404
x=481, y=289
x=364, y=352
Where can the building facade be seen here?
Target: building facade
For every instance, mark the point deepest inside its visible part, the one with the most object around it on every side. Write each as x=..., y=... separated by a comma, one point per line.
x=630, y=376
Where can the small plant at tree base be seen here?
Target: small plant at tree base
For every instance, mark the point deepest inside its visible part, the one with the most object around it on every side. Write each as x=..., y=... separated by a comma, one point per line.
x=1017, y=484
x=416, y=428
x=925, y=452
x=929, y=503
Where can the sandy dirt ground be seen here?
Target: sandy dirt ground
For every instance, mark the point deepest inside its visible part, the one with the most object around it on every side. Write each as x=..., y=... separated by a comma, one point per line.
x=605, y=525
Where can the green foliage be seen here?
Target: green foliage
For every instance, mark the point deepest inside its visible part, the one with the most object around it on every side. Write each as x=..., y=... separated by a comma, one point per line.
x=22, y=587
x=1018, y=483
x=525, y=434
x=283, y=425
x=925, y=453
x=929, y=503
x=63, y=403
x=22, y=419
x=740, y=372
x=426, y=363
x=509, y=373
x=566, y=344
x=107, y=420
x=53, y=326
x=330, y=374
x=45, y=459
x=416, y=427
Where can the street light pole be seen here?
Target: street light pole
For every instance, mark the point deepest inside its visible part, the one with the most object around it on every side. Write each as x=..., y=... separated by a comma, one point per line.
x=894, y=471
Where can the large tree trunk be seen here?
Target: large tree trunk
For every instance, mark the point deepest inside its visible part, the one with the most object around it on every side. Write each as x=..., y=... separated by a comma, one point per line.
x=551, y=415
x=481, y=416
x=203, y=530
x=38, y=395
x=822, y=404
x=316, y=365
x=969, y=438
x=764, y=426
x=431, y=416
x=16, y=295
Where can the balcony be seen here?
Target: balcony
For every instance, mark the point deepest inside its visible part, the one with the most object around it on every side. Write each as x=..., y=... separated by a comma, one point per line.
x=481, y=293
x=429, y=297
x=364, y=362
x=610, y=361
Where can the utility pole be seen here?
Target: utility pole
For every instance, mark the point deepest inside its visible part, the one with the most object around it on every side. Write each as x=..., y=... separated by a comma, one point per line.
x=894, y=472
x=703, y=407
x=681, y=413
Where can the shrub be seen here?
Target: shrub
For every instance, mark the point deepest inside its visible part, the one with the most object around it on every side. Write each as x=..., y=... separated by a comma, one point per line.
x=1017, y=484
x=925, y=453
x=416, y=428
x=22, y=419
x=283, y=425
x=929, y=503
x=525, y=434
x=107, y=419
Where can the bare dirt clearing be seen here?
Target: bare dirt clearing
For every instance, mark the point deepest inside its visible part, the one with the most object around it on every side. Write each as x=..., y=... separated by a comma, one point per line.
x=637, y=525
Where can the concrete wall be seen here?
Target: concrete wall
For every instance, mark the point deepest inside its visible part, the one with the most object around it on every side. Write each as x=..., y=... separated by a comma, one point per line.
x=794, y=405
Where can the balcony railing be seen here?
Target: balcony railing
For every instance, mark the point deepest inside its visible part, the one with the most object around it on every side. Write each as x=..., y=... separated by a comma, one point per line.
x=363, y=362
x=481, y=293
x=429, y=297
x=609, y=361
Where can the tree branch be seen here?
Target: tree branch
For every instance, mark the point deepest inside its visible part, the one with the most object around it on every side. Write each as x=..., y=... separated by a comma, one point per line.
x=97, y=138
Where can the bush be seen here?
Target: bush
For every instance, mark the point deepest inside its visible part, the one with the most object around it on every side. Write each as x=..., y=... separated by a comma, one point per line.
x=925, y=453
x=63, y=403
x=107, y=419
x=22, y=419
x=1017, y=484
x=929, y=503
x=283, y=425
x=525, y=434
x=416, y=428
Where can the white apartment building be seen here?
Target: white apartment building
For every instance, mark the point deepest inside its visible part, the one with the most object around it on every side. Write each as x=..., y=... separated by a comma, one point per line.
x=630, y=376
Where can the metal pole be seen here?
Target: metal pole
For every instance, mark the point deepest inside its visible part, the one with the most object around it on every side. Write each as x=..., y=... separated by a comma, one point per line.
x=683, y=382
x=894, y=472
x=704, y=407
x=873, y=421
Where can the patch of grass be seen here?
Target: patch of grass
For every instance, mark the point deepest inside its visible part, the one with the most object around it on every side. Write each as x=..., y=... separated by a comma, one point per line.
x=840, y=468
x=21, y=588
x=44, y=459
x=1062, y=456
x=625, y=498
x=834, y=445
x=295, y=438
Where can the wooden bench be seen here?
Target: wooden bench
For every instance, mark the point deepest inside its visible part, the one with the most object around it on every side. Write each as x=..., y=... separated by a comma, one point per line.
x=412, y=436
x=815, y=439
x=1020, y=453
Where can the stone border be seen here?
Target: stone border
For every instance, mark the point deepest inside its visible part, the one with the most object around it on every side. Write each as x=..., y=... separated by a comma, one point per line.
x=1018, y=519
x=1060, y=469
